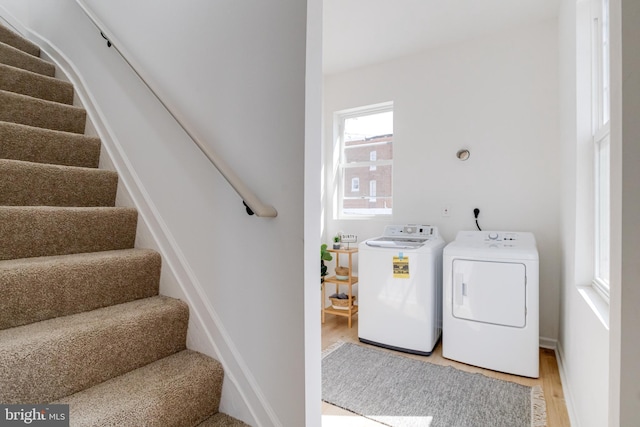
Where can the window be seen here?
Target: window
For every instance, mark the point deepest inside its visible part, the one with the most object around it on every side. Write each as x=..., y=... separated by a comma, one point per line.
x=601, y=140
x=365, y=137
x=355, y=184
x=372, y=192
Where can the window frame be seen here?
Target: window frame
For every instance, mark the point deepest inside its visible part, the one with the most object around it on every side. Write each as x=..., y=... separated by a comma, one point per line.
x=340, y=165
x=601, y=146
x=602, y=205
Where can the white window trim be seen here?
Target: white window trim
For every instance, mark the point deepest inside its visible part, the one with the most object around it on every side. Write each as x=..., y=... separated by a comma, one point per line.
x=339, y=119
x=600, y=285
x=601, y=134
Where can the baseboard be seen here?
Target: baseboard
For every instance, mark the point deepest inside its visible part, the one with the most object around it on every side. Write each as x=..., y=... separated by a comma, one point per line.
x=549, y=343
x=554, y=344
x=566, y=390
x=207, y=334
x=8, y=20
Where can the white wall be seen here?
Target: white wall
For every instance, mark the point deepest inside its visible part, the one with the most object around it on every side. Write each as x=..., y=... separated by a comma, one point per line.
x=236, y=72
x=496, y=96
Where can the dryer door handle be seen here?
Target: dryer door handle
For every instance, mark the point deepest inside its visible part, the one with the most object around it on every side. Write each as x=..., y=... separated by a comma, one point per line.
x=459, y=288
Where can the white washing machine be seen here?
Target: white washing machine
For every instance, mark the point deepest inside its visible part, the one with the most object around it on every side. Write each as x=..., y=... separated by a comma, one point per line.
x=490, y=306
x=400, y=289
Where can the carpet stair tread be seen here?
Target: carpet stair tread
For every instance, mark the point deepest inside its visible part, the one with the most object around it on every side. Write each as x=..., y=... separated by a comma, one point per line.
x=26, y=110
x=14, y=39
x=222, y=420
x=34, y=144
x=179, y=390
x=81, y=318
x=10, y=55
x=37, y=289
x=26, y=82
x=33, y=231
x=47, y=360
x=37, y=184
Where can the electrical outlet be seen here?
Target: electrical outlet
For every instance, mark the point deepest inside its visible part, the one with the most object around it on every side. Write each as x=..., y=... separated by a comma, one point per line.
x=446, y=211
x=348, y=238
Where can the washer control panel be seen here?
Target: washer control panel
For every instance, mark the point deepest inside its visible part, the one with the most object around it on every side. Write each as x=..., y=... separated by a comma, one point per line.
x=411, y=230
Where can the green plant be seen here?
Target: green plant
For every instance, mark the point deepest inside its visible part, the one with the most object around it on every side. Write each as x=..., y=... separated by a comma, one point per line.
x=336, y=238
x=324, y=256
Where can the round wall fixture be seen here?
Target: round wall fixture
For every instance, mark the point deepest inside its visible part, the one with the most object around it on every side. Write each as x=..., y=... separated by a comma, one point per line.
x=463, y=154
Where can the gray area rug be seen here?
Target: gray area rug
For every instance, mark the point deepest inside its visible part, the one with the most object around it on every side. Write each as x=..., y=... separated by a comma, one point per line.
x=403, y=392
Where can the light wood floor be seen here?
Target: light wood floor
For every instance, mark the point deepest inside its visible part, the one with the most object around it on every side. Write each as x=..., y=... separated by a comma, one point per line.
x=335, y=329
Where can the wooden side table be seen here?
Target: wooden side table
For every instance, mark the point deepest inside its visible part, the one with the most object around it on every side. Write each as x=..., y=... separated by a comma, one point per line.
x=351, y=280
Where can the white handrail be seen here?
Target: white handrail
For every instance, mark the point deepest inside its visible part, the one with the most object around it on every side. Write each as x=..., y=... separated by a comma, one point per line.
x=250, y=200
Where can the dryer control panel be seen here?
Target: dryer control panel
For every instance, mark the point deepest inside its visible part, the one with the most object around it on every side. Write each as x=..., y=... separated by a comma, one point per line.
x=505, y=237
x=411, y=230
x=497, y=239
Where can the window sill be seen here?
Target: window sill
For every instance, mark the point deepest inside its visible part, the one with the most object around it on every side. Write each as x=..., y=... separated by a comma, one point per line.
x=364, y=217
x=596, y=302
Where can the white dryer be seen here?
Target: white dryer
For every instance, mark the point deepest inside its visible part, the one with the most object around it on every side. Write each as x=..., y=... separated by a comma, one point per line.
x=400, y=289
x=491, y=304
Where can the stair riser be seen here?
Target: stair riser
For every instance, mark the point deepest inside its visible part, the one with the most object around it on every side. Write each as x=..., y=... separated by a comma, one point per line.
x=16, y=58
x=33, y=184
x=13, y=39
x=30, y=111
x=146, y=398
x=38, y=289
x=46, y=361
x=36, y=85
x=42, y=231
x=32, y=144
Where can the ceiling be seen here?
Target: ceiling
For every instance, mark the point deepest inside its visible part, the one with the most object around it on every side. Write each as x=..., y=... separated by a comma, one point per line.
x=363, y=32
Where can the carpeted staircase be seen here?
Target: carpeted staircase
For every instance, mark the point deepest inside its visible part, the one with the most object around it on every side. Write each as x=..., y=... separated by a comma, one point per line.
x=81, y=321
